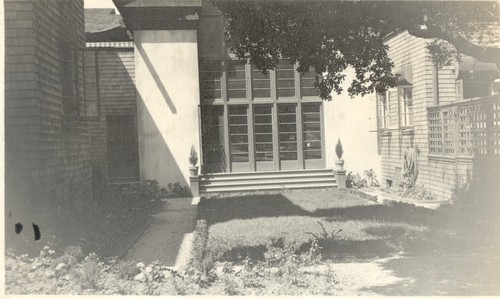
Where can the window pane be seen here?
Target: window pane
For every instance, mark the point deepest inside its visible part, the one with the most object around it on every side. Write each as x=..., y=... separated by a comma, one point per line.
x=311, y=155
x=288, y=156
x=236, y=85
x=236, y=94
x=287, y=119
x=268, y=156
x=261, y=84
x=238, y=129
x=238, y=139
x=286, y=128
x=312, y=145
x=307, y=84
x=311, y=117
x=263, y=128
x=263, y=119
x=238, y=119
x=288, y=136
x=312, y=127
x=264, y=147
x=286, y=93
x=285, y=76
x=312, y=136
x=263, y=138
x=211, y=80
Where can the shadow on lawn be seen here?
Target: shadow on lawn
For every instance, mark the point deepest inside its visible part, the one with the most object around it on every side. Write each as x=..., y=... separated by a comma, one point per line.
x=387, y=235
x=451, y=274
x=219, y=210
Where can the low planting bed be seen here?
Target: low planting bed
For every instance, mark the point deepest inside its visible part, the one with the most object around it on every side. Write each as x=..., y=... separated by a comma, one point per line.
x=301, y=242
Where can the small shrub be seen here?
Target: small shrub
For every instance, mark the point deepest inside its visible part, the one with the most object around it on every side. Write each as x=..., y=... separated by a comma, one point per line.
x=203, y=258
x=417, y=192
x=177, y=190
x=127, y=270
x=355, y=181
x=339, y=150
x=89, y=274
x=369, y=179
x=193, y=156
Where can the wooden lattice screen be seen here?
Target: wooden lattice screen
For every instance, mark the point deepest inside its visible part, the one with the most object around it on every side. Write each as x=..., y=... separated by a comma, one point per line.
x=470, y=128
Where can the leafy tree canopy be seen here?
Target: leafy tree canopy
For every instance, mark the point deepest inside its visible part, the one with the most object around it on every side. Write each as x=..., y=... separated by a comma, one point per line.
x=332, y=35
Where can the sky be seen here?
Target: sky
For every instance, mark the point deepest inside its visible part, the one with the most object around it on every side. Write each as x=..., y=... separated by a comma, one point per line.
x=98, y=4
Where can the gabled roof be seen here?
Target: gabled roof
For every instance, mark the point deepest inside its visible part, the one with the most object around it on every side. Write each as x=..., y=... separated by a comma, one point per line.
x=104, y=25
x=101, y=19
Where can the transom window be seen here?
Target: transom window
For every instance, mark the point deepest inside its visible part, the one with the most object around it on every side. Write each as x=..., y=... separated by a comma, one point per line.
x=285, y=80
x=236, y=81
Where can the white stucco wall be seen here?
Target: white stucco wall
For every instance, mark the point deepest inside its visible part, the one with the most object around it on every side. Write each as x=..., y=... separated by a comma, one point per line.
x=166, y=65
x=353, y=120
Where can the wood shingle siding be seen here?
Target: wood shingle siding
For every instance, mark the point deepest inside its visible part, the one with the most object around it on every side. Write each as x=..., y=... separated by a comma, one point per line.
x=48, y=170
x=118, y=97
x=438, y=174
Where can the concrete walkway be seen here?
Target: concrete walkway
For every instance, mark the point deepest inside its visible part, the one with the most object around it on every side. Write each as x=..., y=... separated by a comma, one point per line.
x=169, y=238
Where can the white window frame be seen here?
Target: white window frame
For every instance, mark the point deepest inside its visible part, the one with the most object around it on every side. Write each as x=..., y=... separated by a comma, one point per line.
x=406, y=111
x=383, y=111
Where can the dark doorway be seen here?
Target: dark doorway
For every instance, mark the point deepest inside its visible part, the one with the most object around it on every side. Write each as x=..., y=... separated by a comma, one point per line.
x=123, y=157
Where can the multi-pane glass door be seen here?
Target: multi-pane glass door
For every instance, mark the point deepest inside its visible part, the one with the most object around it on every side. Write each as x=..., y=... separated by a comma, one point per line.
x=287, y=130
x=262, y=137
x=238, y=138
x=212, y=134
x=312, y=136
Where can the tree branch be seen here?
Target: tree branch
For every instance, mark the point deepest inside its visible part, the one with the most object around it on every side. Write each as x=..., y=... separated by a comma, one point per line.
x=464, y=46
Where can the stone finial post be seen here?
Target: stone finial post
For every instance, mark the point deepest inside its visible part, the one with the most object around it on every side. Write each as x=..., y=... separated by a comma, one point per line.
x=194, y=184
x=341, y=178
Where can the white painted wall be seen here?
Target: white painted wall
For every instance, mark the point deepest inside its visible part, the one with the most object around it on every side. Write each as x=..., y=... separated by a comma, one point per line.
x=167, y=81
x=353, y=120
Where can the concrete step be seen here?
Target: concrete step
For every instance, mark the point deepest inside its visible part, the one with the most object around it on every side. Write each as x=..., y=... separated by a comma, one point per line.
x=266, y=174
x=271, y=180
x=207, y=189
x=268, y=181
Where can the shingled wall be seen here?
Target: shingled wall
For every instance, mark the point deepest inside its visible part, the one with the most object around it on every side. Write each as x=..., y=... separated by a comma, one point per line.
x=47, y=157
x=117, y=96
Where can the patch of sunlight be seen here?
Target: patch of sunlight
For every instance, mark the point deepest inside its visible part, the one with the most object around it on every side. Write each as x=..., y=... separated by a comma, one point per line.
x=361, y=277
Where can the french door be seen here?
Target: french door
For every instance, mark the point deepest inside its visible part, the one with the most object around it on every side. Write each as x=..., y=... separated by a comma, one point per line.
x=262, y=137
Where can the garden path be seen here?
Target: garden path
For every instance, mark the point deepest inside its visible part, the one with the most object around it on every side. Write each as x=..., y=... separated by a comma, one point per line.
x=168, y=238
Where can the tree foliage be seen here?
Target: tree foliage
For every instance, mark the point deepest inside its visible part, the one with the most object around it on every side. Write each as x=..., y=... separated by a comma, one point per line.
x=332, y=35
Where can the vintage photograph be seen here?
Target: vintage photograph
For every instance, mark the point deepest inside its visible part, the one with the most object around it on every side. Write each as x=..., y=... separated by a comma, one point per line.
x=251, y=147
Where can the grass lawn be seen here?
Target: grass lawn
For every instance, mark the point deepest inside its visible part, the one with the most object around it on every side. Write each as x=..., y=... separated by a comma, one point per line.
x=244, y=224
x=382, y=248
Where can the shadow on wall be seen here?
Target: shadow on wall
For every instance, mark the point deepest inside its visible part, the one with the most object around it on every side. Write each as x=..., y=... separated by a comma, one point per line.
x=156, y=77
x=156, y=159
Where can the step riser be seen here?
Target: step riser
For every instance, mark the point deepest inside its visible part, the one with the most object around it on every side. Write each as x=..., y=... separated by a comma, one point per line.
x=268, y=187
x=270, y=178
x=211, y=176
x=260, y=182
